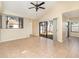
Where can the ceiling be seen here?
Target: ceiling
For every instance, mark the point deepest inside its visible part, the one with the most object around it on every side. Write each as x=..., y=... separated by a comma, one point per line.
x=72, y=14
x=21, y=8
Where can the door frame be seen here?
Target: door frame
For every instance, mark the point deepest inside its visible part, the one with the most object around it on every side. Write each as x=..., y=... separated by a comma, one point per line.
x=55, y=28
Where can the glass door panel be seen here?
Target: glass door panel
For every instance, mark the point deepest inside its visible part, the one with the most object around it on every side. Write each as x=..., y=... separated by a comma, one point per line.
x=43, y=29
x=50, y=29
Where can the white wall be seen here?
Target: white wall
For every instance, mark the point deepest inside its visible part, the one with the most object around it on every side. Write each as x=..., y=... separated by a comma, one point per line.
x=13, y=34
x=35, y=28
x=74, y=34
x=0, y=35
x=1, y=7
x=0, y=12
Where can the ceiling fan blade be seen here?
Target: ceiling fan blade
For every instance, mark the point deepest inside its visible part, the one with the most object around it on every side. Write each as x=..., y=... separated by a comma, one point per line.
x=33, y=4
x=42, y=7
x=31, y=7
x=41, y=3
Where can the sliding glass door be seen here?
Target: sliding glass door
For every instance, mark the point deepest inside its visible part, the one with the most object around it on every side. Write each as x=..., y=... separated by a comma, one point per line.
x=43, y=29
x=46, y=29
x=50, y=29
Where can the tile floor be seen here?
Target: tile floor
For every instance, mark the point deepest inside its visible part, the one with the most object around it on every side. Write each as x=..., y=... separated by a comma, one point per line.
x=39, y=47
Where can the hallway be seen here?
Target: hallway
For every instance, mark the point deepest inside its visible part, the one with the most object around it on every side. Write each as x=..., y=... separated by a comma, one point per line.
x=40, y=47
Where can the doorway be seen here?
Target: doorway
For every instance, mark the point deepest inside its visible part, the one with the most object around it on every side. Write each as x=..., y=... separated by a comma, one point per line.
x=71, y=22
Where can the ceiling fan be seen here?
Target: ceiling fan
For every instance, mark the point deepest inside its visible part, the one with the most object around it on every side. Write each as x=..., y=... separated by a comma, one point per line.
x=37, y=6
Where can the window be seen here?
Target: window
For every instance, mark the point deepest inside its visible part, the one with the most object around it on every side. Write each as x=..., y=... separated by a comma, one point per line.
x=10, y=22
x=14, y=22
x=75, y=26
